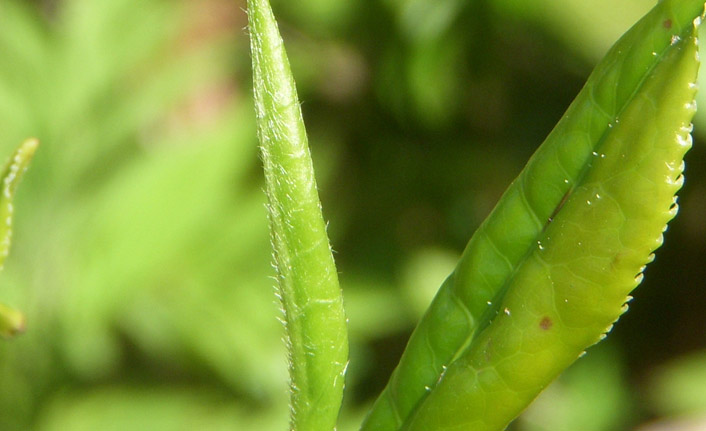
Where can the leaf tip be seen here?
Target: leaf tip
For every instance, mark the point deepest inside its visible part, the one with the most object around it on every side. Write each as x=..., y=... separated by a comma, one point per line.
x=29, y=146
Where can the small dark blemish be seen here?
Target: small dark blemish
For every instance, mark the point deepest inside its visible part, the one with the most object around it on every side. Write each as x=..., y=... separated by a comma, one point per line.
x=667, y=24
x=546, y=323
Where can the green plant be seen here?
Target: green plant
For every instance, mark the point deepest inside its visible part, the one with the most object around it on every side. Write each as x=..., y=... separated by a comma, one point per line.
x=586, y=213
x=306, y=274
x=543, y=278
x=12, y=322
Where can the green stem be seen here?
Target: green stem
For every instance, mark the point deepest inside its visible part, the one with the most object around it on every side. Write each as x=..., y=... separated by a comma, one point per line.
x=307, y=278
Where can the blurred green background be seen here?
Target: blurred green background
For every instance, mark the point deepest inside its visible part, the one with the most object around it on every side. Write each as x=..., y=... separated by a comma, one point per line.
x=141, y=251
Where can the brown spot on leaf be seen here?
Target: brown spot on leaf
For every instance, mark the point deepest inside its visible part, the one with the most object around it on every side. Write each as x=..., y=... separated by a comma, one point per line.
x=667, y=24
x=618, y=258
x=546, y=323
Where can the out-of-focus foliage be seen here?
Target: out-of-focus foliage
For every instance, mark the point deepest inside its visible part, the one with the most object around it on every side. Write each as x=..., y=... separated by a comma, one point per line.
x=677, y=392
x=143, y=259
x=141, y=252
x=593, y=395
x=679, y=388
